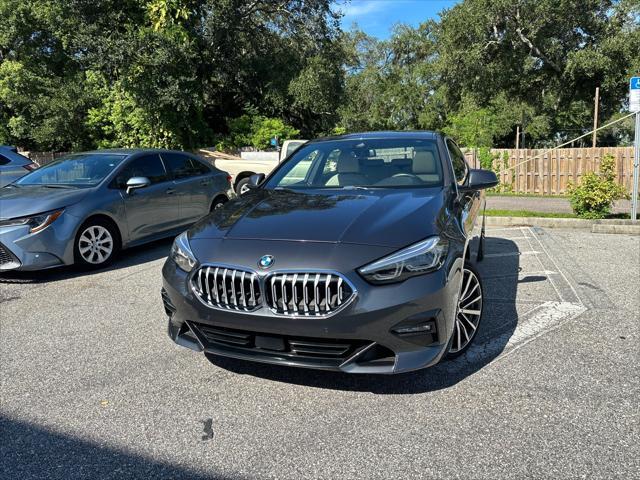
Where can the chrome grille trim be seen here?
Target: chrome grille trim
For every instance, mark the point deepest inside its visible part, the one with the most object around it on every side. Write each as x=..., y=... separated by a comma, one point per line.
x=290, y=295
x=293, y=293
x=229, y=288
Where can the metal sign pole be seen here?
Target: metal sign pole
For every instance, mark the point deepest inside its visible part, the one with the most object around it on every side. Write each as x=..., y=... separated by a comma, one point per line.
x=634, y=106
x=636, y=171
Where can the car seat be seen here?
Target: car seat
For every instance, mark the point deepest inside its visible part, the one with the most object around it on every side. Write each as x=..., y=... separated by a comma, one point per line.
x=348, y=171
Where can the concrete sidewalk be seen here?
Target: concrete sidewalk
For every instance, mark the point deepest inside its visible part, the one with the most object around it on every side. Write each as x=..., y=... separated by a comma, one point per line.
x=543, y=204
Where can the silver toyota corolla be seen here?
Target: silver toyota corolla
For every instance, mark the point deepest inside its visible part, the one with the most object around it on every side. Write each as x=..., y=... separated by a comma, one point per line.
x=85, y=207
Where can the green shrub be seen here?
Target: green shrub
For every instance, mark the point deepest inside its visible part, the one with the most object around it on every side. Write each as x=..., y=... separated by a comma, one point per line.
x=256, y=131
x=596, y=193
x=492, y=161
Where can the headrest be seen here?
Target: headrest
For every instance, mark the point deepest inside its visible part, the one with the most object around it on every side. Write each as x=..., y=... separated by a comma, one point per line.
x=424, y=162
x=347, y=163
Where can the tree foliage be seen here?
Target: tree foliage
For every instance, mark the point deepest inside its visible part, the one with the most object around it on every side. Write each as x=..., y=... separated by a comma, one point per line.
x=490, y=65
x=76, y=74
x=166, y=73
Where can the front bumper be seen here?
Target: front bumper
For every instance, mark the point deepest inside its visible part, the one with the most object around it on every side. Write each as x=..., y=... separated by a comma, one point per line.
x=51, y=247
x=365, y=328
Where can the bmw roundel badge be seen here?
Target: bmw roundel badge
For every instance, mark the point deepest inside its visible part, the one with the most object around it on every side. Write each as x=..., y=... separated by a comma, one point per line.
x=265, y=261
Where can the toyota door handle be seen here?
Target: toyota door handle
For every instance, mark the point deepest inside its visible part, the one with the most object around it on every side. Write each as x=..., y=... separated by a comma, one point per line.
x=170, y=191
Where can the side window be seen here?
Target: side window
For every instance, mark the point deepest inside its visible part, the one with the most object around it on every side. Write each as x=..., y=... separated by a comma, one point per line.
x=3, y=160
x=199, y=168
x=331, y=165
x=182, y=166
x=149, y=166
x=301, y=171
x=460, y=167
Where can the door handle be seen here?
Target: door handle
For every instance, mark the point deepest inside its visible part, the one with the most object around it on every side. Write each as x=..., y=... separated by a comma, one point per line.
x=170, y=191
x=204, y=183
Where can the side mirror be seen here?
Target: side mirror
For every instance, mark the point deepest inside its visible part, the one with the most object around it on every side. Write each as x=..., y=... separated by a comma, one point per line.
x=137, y=182
x=480, y=180
x=256, y=179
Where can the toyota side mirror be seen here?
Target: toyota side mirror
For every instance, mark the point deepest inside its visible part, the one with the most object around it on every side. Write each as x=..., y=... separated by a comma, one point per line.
x=256, y=180
x=479, y=179
x=137, y=182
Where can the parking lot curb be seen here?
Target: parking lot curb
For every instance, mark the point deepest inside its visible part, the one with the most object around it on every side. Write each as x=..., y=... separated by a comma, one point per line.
x=626, y=227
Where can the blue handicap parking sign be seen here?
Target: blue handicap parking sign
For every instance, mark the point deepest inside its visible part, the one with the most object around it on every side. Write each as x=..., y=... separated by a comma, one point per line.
x=635, y=83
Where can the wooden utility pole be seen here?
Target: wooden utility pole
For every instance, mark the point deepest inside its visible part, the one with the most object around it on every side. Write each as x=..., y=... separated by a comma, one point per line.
x=517, y=137
x=595, y=117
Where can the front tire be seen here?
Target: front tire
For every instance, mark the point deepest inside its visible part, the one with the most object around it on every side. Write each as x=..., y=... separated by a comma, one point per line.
x=468, y=313
x=96, y=245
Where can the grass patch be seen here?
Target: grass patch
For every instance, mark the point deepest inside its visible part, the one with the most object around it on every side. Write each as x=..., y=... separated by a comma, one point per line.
x=493, y=212
x=523, y=195
x=527, y=213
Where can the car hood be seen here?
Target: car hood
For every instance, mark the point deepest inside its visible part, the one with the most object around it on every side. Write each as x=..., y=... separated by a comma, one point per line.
x=32, y=199
x=389, y=217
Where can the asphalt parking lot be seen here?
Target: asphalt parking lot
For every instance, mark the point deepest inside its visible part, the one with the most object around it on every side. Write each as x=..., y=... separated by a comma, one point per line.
x=93, y=388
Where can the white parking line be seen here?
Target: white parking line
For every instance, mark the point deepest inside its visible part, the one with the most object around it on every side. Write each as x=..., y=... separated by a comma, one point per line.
x=510, y=254
x=537, y=321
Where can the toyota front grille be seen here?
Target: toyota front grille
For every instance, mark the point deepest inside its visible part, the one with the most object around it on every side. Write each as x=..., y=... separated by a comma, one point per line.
x=314, y=294
x=7, y=259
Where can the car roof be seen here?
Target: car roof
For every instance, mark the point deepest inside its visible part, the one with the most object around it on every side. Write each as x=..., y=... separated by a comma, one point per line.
x=383, y=134
x=129, y=151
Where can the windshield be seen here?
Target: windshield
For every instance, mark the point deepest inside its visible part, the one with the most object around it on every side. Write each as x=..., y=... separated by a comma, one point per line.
x=371, y=163
x=81, y=170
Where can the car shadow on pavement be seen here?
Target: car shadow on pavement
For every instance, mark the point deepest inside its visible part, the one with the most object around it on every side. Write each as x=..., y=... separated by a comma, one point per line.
x=500, y=272
x=36, y=452
x=127, y=258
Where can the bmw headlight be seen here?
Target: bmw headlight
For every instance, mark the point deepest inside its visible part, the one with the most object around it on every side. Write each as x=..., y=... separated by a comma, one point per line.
x=422, y=257
x=35, y=222
x=181, y=253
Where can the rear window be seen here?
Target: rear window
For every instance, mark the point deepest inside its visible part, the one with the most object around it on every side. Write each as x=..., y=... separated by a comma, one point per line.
x=183, y=166
x=375, y=163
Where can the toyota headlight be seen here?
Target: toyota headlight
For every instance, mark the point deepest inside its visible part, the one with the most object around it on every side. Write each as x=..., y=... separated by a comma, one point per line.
x=181, y=253
x=36, y=223
x=422, y=257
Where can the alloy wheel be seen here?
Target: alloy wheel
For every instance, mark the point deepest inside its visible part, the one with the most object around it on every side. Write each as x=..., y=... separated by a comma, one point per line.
x=95, y=244
x=469, y=312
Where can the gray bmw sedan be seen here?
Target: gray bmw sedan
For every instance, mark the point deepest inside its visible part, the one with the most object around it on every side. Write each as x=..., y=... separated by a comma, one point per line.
x=353, y=255
x=85, y=207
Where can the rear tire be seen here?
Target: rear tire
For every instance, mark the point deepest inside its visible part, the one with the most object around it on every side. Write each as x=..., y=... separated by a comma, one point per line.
x=468, y=312
x=96, y=244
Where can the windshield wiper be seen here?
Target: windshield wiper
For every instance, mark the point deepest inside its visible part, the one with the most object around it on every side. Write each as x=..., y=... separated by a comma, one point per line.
x=55, y=185
x=356, y=187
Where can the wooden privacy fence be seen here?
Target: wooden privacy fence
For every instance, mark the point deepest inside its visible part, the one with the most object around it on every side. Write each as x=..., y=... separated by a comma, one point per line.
x=42, y=158
x=534, y=171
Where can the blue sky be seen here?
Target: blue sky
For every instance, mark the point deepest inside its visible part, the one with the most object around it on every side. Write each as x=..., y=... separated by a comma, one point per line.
x=377, y=17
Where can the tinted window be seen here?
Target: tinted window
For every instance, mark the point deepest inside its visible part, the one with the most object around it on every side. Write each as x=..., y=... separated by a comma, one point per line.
x=149, y=166
x=182, y=166
x=3, y=160
x=375, y=163
x=457, y=160
x=85, y=169
x=200, y=168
